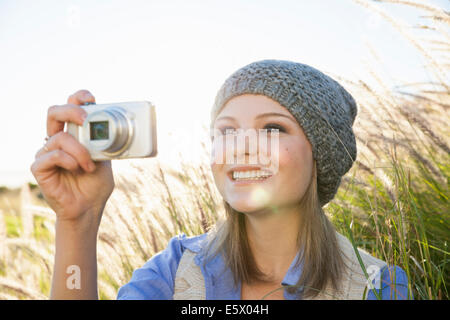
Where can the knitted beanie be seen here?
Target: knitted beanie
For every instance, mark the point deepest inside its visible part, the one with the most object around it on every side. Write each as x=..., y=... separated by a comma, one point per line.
x=322, y=107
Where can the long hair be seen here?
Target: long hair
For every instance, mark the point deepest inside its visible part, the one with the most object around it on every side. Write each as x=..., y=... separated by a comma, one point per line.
x=321, y=258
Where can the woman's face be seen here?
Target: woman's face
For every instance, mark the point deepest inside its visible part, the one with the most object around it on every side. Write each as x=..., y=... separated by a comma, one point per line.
x=289, y=176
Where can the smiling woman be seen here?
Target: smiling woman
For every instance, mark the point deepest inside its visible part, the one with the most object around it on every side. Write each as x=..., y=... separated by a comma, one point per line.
x=275, y=240
x=264, y=210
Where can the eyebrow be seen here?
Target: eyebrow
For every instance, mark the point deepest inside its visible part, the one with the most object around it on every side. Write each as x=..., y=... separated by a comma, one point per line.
x=264, y=115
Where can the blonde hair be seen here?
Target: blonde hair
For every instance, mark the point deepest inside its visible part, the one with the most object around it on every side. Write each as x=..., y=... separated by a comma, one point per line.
x=321, y=257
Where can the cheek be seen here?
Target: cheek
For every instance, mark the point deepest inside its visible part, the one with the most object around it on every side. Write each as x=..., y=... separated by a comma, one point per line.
x=289, y=158
x=215, y=170
x=295, y=164
x=218, y=175
x=217, y=159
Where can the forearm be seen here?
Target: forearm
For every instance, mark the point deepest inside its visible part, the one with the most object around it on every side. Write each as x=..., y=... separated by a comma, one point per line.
x=75, y=268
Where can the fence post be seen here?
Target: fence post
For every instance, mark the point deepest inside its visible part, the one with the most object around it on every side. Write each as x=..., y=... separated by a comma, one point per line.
x=25, y=212
x=2, y=237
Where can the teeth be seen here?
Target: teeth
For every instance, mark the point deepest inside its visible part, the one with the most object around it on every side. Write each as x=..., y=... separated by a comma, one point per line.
x=251, y=174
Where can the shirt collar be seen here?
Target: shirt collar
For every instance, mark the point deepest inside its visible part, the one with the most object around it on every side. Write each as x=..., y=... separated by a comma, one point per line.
x=193, y=243
x=215, y=267
x=294, y=272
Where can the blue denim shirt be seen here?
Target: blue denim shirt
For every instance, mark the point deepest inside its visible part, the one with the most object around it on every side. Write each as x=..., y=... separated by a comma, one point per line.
x=156, y=278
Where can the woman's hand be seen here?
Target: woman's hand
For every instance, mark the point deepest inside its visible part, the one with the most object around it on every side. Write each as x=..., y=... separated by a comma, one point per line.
x=73, y=185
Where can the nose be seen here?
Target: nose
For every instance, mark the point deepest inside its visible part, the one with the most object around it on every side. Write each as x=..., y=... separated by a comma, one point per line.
x=248, y=147
x=245, y=142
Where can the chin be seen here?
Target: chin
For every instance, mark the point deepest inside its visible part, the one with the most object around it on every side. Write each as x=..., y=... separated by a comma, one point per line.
x=249, y=203
x=245, y=208
x=249, y=200
x=253, y=211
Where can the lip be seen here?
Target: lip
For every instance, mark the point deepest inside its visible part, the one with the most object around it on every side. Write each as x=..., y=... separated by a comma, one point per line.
x=246, y=182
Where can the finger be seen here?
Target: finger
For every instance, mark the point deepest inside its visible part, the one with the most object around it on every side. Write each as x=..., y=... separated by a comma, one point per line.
x=66, y=142
x=59, y=114
x=40, y=152
x=49, y=161
x=81, y=97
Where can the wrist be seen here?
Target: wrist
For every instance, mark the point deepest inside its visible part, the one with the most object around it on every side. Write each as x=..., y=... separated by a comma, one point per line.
x=85, y=225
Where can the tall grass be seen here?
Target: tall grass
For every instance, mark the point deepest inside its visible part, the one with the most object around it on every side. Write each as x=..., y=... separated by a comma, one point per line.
x=394, y=201
x=399, y=202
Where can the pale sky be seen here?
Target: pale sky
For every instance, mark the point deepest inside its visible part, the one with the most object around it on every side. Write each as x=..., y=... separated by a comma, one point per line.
x=175, y=54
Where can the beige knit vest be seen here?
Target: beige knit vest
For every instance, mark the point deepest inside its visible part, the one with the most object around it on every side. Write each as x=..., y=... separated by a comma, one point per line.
x=190, y=284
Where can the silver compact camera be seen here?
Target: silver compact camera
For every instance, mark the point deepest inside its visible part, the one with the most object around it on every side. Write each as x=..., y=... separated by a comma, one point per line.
x=118, y=130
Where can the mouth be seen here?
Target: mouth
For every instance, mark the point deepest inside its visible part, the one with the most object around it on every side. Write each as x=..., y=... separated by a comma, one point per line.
x=248, y=175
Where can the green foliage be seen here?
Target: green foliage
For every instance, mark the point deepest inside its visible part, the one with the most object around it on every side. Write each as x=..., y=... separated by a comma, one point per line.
x=411, y=232
x=13, y=226
x=41, y=233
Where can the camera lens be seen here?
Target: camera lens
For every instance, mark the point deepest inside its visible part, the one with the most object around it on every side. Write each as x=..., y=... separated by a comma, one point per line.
x=109, y=130
x=99, y=130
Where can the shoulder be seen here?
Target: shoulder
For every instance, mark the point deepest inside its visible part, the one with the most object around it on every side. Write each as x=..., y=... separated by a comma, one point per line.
x=155, y=279
x=393, y=284
x=390, y=281
x=351, y=257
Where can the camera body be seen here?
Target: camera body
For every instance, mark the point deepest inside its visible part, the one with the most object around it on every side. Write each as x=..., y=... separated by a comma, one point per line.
x=121, y=130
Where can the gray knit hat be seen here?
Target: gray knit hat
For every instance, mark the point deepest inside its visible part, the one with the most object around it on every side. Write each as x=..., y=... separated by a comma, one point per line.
x=322, y=107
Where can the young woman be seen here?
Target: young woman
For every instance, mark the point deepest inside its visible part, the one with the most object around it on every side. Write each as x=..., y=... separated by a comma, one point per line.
x=275, y=241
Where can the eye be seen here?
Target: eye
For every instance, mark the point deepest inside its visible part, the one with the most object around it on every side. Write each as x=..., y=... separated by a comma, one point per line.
x=274, y=126
x=228, y=130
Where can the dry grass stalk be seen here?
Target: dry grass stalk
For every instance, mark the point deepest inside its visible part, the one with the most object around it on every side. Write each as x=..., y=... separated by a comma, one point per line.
x=20, y=290
x=32, y=249
x=421, y=122
x=439, y=13
x=401, y=27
